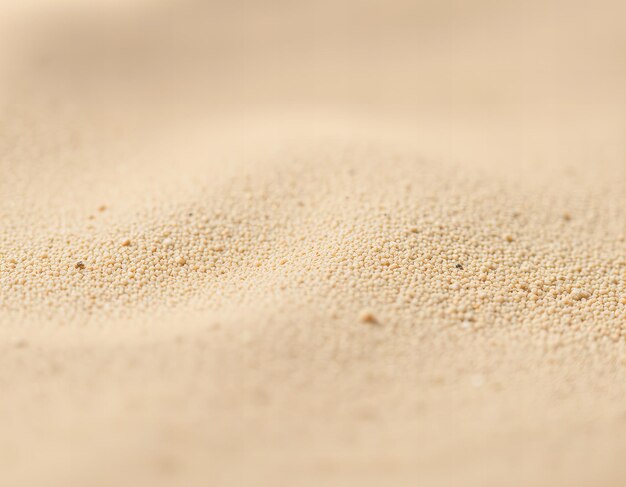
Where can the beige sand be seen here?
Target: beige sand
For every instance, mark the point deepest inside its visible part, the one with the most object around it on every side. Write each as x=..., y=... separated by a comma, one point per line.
x=312, y=243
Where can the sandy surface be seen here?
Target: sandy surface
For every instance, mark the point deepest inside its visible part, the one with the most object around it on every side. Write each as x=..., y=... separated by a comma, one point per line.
x=312, y=243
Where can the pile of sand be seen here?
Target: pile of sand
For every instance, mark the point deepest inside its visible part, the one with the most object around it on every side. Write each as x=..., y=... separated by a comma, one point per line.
x=343, y=244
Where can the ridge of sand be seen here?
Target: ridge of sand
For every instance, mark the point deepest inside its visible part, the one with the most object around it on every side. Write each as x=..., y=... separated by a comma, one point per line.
x=226, y=302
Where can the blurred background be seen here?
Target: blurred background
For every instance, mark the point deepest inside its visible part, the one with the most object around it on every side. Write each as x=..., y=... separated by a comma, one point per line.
x=521, y=83
x=522, y=63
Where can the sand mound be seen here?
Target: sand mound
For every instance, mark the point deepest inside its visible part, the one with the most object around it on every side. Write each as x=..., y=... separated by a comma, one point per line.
x=294, y=281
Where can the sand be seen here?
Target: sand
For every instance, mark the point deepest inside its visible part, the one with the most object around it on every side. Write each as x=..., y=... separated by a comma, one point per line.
x=321, y=243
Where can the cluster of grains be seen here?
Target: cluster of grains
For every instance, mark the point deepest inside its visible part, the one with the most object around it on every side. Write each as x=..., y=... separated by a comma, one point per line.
x=421, y=243
x=322, y=294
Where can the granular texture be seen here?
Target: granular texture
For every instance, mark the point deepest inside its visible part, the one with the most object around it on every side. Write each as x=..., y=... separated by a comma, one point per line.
x=338, y=244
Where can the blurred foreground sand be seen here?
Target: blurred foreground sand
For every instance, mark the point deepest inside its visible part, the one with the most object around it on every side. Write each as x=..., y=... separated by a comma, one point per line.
x=200, y=202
